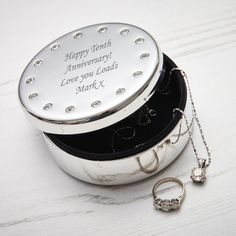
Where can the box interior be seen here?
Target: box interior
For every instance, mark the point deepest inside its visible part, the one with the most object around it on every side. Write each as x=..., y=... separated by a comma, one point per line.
x=136, y=133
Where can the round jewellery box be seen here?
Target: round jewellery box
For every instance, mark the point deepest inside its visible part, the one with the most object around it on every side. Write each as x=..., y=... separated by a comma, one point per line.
x=104, y=97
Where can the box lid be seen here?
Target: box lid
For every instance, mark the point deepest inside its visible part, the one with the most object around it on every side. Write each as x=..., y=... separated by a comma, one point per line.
x=90, y=78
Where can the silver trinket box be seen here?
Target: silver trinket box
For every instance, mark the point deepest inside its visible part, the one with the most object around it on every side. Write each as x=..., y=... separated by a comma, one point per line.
x=104, y=96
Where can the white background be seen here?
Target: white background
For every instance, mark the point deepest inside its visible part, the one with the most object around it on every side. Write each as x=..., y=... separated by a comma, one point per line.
x=38, y=198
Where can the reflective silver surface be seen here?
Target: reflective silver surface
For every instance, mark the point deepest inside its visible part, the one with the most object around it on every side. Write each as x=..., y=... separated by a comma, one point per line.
x=129, y=169
x=90, y=78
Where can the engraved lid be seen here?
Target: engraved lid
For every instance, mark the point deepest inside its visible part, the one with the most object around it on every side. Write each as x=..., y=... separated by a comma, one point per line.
x=90, y=78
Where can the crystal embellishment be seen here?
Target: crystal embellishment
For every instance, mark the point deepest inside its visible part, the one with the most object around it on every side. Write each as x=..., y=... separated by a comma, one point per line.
x=166, y=204
x=33, y=95
x=69, y=109
x=29, y=80
x=124, y=31
x=137, y=73
x=144, y=55
x=47, y=106
x=55, y=46
x=37, y=63
x=139, y=40
x=96, y=103
x=77, y=35
x=120, y=91
x=102, y=29
x=198, y=175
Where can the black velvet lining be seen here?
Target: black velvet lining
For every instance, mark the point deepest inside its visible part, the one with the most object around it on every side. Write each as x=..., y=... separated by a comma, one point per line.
x=135, y=133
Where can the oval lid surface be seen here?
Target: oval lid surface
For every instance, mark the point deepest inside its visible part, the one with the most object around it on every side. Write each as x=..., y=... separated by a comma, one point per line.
x=90, y=78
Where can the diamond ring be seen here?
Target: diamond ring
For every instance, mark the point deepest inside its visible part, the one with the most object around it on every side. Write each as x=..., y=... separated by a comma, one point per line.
x=168, y=204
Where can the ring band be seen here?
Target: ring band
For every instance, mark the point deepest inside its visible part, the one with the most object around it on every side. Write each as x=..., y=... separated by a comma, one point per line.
x=168, y=204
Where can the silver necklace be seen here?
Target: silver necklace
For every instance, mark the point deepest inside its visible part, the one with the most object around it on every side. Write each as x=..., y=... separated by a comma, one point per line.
x=198, y=174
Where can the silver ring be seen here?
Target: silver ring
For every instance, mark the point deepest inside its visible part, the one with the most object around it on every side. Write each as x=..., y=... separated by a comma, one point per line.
x=168, y=204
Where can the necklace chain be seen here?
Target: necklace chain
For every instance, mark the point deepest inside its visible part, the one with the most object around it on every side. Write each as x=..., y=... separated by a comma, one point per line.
x=205, y=162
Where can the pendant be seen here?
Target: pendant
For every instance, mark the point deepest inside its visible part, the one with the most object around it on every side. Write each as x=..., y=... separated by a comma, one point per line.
x=198, y=175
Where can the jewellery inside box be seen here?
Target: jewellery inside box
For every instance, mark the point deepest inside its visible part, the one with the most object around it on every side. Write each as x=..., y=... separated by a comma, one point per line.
x=104, y=97
x=136, y=133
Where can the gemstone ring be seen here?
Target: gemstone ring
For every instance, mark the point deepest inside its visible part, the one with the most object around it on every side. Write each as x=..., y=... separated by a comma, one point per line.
x=168, y=204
